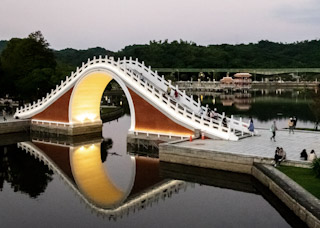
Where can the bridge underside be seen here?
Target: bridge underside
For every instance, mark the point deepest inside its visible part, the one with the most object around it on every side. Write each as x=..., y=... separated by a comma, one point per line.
x=78, y=111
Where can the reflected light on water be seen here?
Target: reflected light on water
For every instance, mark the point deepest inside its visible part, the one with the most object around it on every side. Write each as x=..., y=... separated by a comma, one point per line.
x=91, y=177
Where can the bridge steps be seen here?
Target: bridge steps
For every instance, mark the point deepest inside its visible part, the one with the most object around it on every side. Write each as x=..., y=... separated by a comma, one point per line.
x=153, y=89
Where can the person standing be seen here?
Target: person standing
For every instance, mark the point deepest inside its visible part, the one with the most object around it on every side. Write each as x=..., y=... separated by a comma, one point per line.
x=169, y=90
x=291, y=125
x=251, y=127
x=294, y=120
x=273, y=129
x=4, y=114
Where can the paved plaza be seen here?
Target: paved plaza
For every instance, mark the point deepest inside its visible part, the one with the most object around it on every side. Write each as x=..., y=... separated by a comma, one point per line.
x=261, y=145
x=8, y=117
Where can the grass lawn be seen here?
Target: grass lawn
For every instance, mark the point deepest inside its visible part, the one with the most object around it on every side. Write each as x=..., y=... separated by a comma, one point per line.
x=304, y=177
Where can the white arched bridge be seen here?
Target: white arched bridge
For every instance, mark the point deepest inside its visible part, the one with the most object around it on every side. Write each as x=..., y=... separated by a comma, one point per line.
x=74, y=106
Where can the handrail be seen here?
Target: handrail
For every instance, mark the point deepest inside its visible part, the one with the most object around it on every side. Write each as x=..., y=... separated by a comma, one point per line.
x=138, y=74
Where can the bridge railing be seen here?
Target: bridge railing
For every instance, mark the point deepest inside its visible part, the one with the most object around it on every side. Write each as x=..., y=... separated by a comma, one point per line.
x=160, y=82
x=174, y=104
x=146, y=72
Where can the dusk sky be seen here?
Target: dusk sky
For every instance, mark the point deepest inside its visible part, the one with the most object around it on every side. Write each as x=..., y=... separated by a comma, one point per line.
x=114, y=24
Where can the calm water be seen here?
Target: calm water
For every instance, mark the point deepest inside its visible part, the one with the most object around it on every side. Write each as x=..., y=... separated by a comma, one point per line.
x=117, y=181
x=266, y=105
x=97, y=183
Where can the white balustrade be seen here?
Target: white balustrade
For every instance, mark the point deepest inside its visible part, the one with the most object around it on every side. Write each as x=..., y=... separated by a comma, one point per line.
x=186, y=101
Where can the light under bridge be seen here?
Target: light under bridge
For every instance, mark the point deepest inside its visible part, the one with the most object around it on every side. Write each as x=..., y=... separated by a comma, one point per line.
x=81, y=168
x=73, y=108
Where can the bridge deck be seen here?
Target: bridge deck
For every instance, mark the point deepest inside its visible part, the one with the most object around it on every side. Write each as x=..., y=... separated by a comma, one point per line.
x=262, y=146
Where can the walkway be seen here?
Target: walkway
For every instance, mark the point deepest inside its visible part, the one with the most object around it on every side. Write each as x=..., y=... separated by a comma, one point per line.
x=261, y=145
x=9, y=118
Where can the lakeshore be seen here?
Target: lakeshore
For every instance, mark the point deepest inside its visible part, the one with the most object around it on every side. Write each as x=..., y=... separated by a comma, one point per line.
x=254, y=156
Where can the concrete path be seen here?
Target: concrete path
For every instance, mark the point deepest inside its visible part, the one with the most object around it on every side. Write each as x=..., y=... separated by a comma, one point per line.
x=261, y=145
x=9, y=119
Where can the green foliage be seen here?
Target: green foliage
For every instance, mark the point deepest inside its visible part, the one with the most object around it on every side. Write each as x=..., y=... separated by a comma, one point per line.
x=316, y=167
x=74, y=58
x=3, y=44
x=26, y=64
x=265, y=54
x=303, y=177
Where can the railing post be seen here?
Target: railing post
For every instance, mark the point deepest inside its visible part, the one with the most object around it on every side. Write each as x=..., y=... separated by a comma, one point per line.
x=241, y=126
x=231, y=122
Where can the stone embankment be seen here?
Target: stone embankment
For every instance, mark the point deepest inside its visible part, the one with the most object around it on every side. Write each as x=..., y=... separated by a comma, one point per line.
x=223, y=155
x=13, y=126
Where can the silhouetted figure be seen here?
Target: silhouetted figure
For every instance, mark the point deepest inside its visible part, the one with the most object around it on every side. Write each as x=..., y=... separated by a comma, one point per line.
x=273, y=129
x=291, y=125
x=294, y=119
x=4, y=114
x=224, y=122
x=251, y=126
x=303, y=155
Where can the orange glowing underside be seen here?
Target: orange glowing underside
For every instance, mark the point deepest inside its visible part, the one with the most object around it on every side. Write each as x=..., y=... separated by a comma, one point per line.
x=91, y=178
x=149, y=119
x=86, y=97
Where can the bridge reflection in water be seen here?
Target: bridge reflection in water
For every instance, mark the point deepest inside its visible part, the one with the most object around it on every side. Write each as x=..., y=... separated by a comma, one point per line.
x=82, y=166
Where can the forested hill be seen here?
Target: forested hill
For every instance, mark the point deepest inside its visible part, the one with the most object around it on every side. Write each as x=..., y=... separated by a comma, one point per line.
x=3, y=44
x=29, y=68
x=181, y=54
x=75, y=57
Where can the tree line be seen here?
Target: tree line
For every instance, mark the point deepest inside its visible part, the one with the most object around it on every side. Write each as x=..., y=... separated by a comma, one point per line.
x=29, y=68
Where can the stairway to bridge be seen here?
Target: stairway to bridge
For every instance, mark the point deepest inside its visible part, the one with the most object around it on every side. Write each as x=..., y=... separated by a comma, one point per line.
x=75, y=103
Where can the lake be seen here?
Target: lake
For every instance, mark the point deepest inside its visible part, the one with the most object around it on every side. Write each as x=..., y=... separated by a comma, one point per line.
x=118, y=181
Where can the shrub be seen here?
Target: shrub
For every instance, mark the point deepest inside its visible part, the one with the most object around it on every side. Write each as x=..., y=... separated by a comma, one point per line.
x=316, y=167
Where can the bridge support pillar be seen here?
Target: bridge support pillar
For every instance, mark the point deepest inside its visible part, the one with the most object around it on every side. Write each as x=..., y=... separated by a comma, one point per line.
x=68, y=130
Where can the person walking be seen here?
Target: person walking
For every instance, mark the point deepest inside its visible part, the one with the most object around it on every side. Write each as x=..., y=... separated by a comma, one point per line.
x=4, y=114
x=251, y=127
x=291, y=125
x=273, y=129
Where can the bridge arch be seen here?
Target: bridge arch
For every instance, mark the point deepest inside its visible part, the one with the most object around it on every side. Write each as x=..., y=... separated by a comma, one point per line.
x=86, y=96
x=153, y=110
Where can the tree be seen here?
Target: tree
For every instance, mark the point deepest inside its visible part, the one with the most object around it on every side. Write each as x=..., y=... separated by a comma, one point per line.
x=22, y=60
